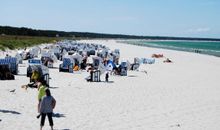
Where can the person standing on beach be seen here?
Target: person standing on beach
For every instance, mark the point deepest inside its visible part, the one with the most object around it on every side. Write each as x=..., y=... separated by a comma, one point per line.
x=47, y=105
x=106, y=76
x=41, y=92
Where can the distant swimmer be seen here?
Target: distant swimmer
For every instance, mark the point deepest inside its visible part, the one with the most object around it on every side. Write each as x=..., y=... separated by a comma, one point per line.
x=197, y=51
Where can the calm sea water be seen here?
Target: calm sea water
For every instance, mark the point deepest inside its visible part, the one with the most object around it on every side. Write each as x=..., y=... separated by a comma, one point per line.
x=203, y=47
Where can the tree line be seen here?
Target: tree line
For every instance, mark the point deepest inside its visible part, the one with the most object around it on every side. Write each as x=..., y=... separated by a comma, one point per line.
x=23, y=31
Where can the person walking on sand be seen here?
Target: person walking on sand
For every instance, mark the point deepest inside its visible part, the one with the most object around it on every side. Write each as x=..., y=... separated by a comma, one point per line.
x=47, y=105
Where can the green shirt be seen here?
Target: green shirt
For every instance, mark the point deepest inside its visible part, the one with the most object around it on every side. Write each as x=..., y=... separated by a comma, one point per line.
x=41, y=92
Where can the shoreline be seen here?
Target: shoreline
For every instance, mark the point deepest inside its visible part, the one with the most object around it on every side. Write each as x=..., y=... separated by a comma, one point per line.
x=195, y=50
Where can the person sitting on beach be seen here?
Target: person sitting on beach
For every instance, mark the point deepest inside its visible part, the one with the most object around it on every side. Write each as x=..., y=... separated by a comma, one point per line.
x=167, y=60
x=157, y=55
x=35, y=76
x=47, y=105
x=76, y=68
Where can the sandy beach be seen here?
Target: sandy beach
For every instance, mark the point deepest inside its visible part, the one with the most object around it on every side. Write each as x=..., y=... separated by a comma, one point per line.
x=183, y=95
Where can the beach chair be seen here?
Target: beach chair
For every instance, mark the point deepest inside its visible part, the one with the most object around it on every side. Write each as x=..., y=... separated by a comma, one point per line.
x=66, y=66
x=5, y=72
x=148, y=61
x=36, y=64
x=123, y=69
x=135, y=66
x=12, y=62
x=123, y=72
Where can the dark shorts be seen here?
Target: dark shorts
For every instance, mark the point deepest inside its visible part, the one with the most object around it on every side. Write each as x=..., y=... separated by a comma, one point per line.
x=49, y=116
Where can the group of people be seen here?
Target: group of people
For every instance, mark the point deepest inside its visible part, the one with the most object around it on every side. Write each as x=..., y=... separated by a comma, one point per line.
x=46, y=102
x=91, y=71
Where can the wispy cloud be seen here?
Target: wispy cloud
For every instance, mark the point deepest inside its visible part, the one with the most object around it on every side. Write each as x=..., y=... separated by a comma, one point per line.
x=199, y=30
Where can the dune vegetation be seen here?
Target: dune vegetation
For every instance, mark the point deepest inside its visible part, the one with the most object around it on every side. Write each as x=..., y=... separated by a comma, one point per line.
x=15, y=42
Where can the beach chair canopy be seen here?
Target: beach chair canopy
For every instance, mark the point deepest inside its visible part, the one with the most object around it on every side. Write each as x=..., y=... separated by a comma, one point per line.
x=35, y=51
x=91, y=52
x=19, y=58
x=43, y=70
x=49, y=54
x=68, y=60
x=71, y=52
x=137, y=60
x=124, y=64
x=34, y=62
x=77, y=57
x=96, y=61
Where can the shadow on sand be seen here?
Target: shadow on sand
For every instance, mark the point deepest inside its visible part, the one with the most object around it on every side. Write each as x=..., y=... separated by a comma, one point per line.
x=101, y=82
x=132, y=76
x=22, y=75
x=61, y=129
x=54, y=68
x=51, y=87
x=105, y=82
x=11, y=112
x=58, y=115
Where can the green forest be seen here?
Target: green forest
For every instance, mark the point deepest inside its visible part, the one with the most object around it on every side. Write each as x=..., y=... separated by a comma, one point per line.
x=15, y=37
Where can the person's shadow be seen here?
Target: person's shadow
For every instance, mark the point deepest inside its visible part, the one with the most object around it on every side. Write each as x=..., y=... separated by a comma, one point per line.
x=11, y=112
x=109, y=82
x=58, y=115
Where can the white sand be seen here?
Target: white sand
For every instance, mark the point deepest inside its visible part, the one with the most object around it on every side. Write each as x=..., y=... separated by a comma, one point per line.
x=181, y=95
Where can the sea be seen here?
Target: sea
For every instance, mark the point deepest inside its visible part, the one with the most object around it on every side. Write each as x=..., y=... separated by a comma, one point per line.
x=202, y=47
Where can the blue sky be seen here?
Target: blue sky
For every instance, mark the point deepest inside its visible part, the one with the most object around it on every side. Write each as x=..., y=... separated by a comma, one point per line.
x=188, y=18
